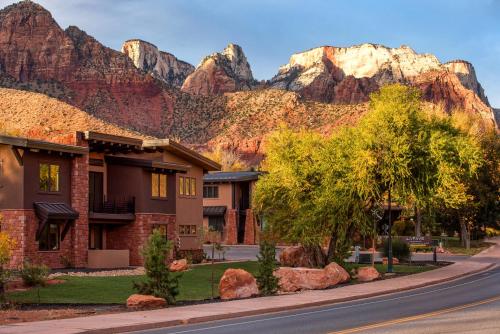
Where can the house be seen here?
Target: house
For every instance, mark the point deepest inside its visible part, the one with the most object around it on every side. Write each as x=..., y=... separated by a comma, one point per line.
x=227, y=211
x=93, y=200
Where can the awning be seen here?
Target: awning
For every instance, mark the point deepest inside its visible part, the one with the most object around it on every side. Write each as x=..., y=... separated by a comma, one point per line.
x=61, y=212
x=214, y=210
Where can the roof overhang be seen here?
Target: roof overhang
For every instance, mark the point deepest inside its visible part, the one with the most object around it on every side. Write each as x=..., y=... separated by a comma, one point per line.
x=183, y=152
x=102, y=142
x=227, y=177
x=40, y=145
x=210, y=211
x=149, y=164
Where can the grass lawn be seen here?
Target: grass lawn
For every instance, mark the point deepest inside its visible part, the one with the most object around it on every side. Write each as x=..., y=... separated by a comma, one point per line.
x=193, y=285
x=476, y=246
x=398, y=269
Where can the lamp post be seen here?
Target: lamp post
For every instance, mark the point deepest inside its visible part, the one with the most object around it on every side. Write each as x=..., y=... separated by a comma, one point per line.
x=389, y=239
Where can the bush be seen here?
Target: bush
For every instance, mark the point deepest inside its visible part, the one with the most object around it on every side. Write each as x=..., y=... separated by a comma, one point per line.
x=492, y=232
x=267, y=282
x=34, y=274
x=159, y=281
x=400, y=250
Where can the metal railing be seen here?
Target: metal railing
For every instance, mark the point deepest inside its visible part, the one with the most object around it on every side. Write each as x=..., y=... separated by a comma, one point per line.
x=115, y=205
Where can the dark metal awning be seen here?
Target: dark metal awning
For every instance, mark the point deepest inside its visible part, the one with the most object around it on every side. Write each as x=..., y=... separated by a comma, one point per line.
x=214, y=210
x=59, y=212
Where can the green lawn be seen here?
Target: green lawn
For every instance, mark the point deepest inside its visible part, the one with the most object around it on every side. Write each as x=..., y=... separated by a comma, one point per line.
x=194, y=285
x=398, y=269
x=476, y=246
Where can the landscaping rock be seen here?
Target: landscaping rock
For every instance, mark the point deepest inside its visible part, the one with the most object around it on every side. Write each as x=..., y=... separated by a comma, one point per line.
x=179, y=265
x=295, y=256
x=295, y=279
x=237, y=283
x=336, y=272
x=367, y=274
x=140, y=302
x=395, y=260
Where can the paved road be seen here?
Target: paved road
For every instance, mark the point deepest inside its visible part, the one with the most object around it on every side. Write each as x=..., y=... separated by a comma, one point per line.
x=345, y=316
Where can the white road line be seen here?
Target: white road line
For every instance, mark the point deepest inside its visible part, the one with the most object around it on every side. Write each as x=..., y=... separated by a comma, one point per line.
x=321, y=311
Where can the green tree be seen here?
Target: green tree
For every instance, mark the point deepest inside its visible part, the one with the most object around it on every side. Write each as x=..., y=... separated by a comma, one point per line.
x=267, y=282
x=159, y=281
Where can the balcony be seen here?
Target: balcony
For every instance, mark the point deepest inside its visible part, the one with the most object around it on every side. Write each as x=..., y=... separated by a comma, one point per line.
x=117, y=210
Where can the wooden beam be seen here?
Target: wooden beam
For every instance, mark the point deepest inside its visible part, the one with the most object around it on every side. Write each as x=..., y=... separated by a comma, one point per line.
x=65, y=230
x=18, y=155
x=41, y=226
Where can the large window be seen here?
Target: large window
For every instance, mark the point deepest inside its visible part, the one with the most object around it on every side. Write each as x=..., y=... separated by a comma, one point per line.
x=159, y=185
x=187, y=186
x=49, y=238
x=49, y=177
x=211, y=191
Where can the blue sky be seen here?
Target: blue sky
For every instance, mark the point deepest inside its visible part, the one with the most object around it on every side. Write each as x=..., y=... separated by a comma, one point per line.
x=271, y=30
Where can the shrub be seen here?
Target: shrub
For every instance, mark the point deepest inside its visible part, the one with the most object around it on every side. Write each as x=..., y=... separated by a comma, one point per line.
x=6, y=246
x=159, y=281
x=400, y=250
x=267, y=282
x=492, y=232
x=34, y=274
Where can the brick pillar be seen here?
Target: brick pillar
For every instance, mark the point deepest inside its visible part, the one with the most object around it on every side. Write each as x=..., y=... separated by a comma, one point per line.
x=80, y=202
x=249, y=228
x=231, y=227
x=14, y=223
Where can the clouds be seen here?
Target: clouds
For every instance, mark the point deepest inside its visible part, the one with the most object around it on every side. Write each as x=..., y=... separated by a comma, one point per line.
x=271, y=30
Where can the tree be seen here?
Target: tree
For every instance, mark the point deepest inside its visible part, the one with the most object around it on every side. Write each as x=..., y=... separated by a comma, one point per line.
x=267, y=282
x=159, y=281
x=229, y=160
x=6, y=246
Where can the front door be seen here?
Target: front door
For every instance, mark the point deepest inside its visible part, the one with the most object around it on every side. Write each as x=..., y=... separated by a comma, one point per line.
x=96, y=191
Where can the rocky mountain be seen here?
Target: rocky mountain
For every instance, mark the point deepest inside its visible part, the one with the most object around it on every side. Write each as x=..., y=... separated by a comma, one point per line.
x=219, y=102
x=161, y=65
x=227, y=71
x=348, y=75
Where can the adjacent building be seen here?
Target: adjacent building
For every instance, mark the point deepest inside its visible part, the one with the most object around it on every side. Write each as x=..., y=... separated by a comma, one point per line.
x=93, y=200
x=227, y=211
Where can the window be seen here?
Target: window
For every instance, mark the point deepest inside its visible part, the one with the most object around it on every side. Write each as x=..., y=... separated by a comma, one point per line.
x=158, y=185
x=187, y=186
x=187, y=229
x=211, y=191
x=49, y=238
x=162, y=229
x=216, y=223
x=49, y=177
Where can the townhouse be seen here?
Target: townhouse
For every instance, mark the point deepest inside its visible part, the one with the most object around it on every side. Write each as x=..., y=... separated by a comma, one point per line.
x=92, y=199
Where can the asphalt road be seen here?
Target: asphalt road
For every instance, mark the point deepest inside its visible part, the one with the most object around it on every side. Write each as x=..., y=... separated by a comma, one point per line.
x=448, y=301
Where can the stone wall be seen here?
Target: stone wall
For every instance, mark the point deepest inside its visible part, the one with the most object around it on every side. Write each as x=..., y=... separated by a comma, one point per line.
x=132, y=236
x=231, y=235
x=250, y=228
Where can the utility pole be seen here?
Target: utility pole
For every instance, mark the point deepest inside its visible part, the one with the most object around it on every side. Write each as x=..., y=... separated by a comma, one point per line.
x=389, y=239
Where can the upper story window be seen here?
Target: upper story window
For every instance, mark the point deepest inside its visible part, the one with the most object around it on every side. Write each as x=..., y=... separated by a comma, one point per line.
x=49, y=177
x=210, y=191
x=159, y=185
x=187, y=186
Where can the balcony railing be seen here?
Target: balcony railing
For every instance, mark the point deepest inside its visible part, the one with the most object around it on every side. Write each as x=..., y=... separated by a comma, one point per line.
x=115, y=206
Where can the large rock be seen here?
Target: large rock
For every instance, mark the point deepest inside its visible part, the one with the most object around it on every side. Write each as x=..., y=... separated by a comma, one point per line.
x=295, y=256
x=227, y=71
x=295, y=279
x=367, y=274
x=160, y=64
x=385, y=260
x=237, y=283
x=137, y=301
x=179, y=265
x=334, y=270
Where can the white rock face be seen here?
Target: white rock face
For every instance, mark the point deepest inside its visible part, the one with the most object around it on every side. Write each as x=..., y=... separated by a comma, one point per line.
x=385, y=65
x=467, y=75
x=233, y=60
x=162, y=65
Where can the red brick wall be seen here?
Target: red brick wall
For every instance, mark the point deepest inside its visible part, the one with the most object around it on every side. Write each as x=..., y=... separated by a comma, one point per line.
x=21, y=226
x=132, y=236
x=231, y=237
x=250, y=229
x=80, y=202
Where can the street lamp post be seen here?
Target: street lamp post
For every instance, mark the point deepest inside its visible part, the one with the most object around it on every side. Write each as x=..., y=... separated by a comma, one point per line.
x=389, y=239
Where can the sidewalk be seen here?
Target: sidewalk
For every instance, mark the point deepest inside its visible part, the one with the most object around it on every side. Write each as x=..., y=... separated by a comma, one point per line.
x=113, y=323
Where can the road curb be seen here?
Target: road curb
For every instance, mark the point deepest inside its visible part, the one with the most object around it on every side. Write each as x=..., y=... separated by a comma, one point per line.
x=197, y=320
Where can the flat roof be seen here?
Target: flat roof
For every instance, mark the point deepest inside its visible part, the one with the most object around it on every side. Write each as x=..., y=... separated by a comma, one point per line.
x=21, y=142
x=232, y=176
